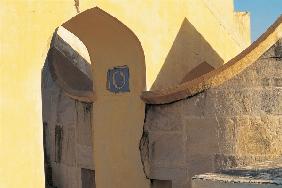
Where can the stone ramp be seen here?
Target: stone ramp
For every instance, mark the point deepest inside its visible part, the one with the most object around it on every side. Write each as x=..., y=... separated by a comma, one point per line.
x=267, y=174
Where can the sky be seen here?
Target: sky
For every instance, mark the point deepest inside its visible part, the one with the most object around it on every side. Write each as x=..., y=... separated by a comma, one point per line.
x=263, y=13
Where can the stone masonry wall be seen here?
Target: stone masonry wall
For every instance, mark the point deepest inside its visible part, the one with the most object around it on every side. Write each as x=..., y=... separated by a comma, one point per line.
x=67, y=133
x=234, y=124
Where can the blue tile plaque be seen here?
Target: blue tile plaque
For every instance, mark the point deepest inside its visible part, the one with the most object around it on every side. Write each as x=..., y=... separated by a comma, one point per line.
x=118, y=79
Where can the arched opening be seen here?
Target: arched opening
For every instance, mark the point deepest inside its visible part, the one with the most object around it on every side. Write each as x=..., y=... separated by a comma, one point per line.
x=76, y=122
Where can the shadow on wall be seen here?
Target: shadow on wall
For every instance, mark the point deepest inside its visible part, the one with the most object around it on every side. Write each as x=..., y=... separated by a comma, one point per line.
x=189, y=50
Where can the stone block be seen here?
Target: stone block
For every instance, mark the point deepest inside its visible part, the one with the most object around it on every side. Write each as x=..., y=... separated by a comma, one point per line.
x=275, y=133
x=270, y=67
x=47, y=141
x=144, y=152
x=238, y=102
x=271, y=101
x=249, y=137
x=181, y=184
x=84, y=125
x=59, y=133
x=278, y=49
x=264, y=67
x=164, y=117
x=277, y=68
x=226, y=133
x=161, y=184
x=210, y=102
x=202, y=136
x=69, y=147
x=52, y=146
x=85, y=157
x=265, y=82
x=46, y=104
x=260, y=137
x=194, y=106
x=199, y=164
x=259, y=74
x=248, y=78
x=65, y=176
x=66, y=111
x=269, y=53
x=49, y=95
x=228, y=102
x=203, y=104
x=223, y=161
x=278, y=82
x=49, y=107
x=166, y=149
x=168, y=173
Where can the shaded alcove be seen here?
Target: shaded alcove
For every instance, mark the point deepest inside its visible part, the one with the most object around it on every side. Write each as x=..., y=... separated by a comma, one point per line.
x=67, y=114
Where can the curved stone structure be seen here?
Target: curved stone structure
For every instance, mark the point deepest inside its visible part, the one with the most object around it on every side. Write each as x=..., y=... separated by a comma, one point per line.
x=228, y=117
x=225, y=118
x=220, y=75
x=67, y=59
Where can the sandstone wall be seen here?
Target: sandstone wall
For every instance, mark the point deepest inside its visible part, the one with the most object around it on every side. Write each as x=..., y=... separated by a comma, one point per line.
x=234, y=124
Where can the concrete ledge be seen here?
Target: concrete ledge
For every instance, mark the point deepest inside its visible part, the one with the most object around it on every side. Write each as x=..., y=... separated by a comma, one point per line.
x=267, y=174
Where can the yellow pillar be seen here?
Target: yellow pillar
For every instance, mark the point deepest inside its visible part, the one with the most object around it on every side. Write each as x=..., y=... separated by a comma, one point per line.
x=118, y=64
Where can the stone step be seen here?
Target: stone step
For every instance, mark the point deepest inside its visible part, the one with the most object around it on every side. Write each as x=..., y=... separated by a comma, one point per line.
x=263, y=175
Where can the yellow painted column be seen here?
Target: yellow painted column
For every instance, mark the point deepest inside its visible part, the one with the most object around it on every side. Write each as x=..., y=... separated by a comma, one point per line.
x=119, y=77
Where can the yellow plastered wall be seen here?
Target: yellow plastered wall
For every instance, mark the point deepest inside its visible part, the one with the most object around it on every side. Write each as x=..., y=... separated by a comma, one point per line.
x=156, y=24
x=243, y=24
x=26, y=30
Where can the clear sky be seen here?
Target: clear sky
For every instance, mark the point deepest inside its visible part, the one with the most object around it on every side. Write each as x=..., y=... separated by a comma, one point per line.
x=263, y=13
